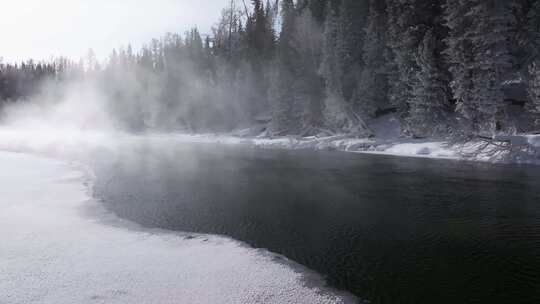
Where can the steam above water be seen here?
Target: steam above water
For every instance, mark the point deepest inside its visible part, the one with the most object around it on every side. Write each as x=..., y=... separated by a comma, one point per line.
x=76, y=106
x=68, y=121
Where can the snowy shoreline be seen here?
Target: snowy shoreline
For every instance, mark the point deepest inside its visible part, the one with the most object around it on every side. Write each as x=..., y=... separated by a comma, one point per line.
x=388, y=140
x=56, y=251
x=476, y=151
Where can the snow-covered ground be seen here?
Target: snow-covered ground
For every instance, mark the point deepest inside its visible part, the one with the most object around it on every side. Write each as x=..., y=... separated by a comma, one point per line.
x=53, y=251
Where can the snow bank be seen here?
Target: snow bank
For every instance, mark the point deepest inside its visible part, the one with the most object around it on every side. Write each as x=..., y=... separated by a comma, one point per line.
x=419, y=149
x=53, y=252
x=388, y=140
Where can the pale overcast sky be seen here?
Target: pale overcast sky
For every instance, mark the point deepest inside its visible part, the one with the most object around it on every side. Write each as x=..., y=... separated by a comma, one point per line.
x=43, y=28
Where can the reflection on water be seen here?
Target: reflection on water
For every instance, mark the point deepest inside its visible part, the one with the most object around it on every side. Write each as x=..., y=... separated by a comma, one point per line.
x=392, y=230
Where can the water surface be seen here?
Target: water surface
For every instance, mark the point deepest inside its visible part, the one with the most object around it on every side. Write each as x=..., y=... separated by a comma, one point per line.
x=390, y=230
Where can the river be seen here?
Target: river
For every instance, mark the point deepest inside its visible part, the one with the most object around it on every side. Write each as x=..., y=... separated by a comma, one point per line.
x=388, y=229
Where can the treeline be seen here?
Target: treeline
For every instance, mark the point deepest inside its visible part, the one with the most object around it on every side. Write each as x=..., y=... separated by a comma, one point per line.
x=309, y=66
x=19, y=81
x=22, y=81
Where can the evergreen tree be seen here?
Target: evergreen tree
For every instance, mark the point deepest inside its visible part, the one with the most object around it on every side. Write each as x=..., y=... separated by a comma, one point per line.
x=532, y=46
x=298, y=87
x=351, y=34
x=429, y=107
x=373, y=84
x=309, y=85
x=429, y=101
x=335, y=109
x=526, y=43
x=285, y=113
x=260, y=49
x=338, y=114
x=493, y=24
x=460, y=56
x=401, y=40
x=316, y=8
x=534, y=91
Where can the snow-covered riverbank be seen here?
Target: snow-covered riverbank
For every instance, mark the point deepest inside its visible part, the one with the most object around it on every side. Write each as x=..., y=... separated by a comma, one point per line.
x=405, y=147
x=388, y=140
x=54, y=251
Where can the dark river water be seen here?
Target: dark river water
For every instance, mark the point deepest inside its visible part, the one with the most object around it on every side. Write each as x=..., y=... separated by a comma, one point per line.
x=389, y=230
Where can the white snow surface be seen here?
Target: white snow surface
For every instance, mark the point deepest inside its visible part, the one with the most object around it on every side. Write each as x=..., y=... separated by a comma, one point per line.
x=53, y=251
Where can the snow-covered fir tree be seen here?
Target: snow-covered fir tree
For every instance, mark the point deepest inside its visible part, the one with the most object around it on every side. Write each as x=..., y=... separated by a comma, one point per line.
x=533, y=56
x=534, y=91
x=429, y=103
x=285, y=110
x=400, y=59
x=429, y=108
x=336, y=112
x=494, y=26
x=460, y=58
x=480, y=58
x=352, y=20
x=373, y=83
x=408, y=20
x=309, y=84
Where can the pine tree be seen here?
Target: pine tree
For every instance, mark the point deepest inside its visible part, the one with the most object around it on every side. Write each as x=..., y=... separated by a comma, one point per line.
x=407, y=20
x=534, y=90
x=351, y=35
x=285, y=113
x=316, y=8
x=493, y=24
x=533, y=55
x=338, y=114
x=531, y=31
x=429, y=96
x=428, y=107
x=373, y=83
x=309, y=85
x=335, y=108
x=460, y=57
x=260, y=51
